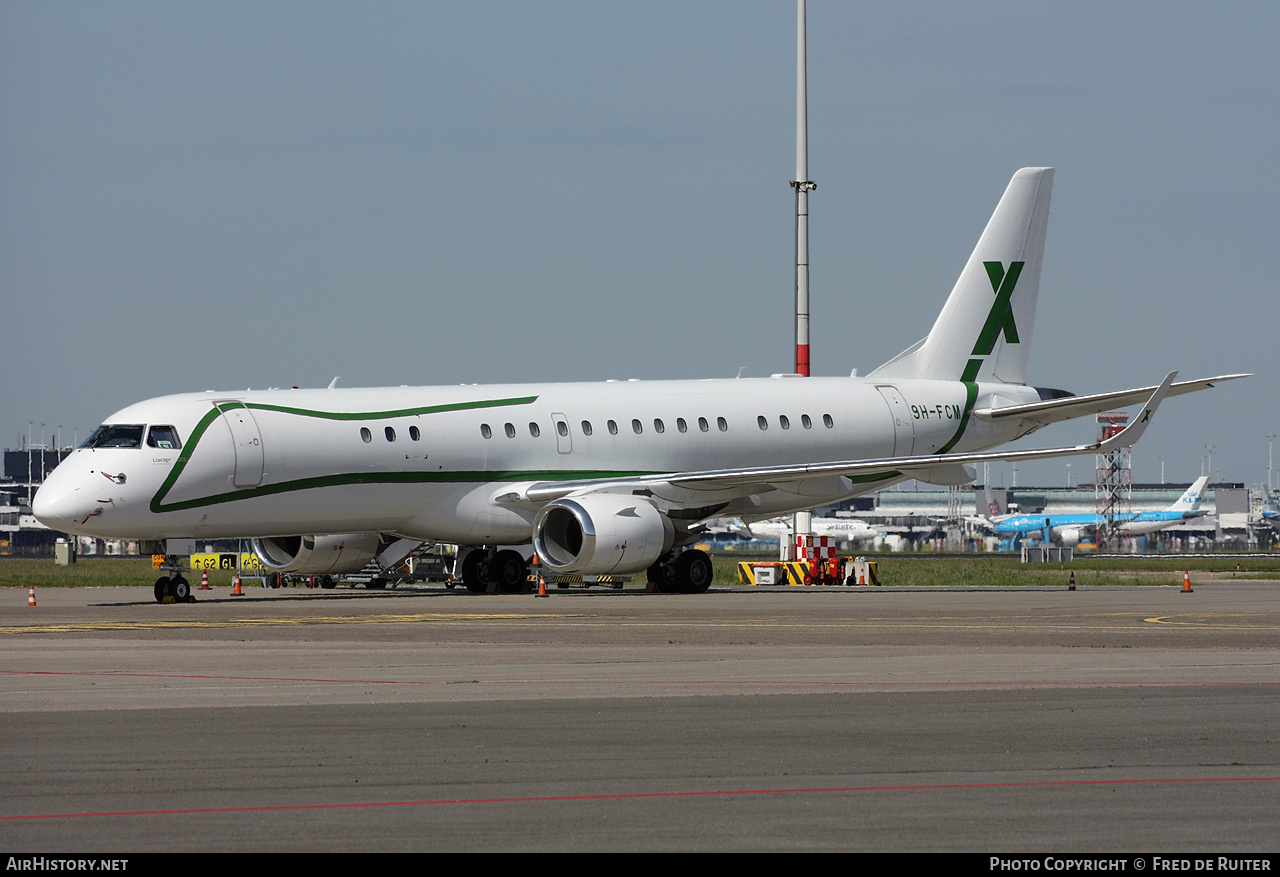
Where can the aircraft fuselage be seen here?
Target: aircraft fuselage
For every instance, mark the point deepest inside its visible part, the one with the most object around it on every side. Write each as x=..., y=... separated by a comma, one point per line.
x=435, y=462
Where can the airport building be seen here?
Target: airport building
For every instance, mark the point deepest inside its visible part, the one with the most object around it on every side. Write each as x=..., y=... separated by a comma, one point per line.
x=24, y=471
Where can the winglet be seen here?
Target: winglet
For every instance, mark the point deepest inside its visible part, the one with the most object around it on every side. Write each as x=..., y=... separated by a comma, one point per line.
x=1131, y=433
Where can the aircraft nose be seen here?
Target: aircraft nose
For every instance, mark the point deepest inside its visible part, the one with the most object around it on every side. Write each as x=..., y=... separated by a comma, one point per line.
x=57, y=506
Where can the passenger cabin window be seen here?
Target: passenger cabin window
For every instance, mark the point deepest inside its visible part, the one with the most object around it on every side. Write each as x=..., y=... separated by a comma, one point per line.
x=117, y=436
x=762, y=422
x=783, y=421
x=586, y=427
x=486, y=431
x=657, y=425
x=533, y=429
x=703, y=425
x=805, y=421
x=365, y=434
x=723, y=424
x=637, y=427
x=827, y=421
x=681, y=425
x=163, y=437
x=390, y=433
x=510, y=430
x=415, y=433
x=562, y=427
x=613, y=427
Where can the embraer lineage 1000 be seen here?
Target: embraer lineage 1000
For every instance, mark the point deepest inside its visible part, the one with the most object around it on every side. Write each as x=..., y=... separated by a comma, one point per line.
x=608, y=477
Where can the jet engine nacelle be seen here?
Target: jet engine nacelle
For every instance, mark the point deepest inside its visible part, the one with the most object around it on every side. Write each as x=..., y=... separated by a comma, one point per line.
x=599, y=534
x=1070, y=537
x=317, y=555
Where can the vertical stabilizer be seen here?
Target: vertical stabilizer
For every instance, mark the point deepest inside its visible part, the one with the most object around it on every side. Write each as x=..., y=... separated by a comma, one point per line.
x=984, y=330
x=1190, y=501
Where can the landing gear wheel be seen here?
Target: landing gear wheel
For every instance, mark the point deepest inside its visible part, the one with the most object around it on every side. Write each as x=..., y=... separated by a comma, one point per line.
x=162, y=587
x=327, y=582
x=509, y=570
x=376, y=584
x=472, y=577
x=181, y=590
x=694, y=572
x=663, y=575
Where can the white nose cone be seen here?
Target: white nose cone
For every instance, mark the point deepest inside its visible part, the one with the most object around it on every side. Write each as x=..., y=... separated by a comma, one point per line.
x=57, y=505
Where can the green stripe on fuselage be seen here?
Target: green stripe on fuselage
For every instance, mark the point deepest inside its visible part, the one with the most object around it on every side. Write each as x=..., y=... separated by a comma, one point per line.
x=157, y=502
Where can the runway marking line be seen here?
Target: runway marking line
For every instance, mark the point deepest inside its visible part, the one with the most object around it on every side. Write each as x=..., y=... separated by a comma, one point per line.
x=728, y=683
x=623, y=796
x=410, y=618
x=1206, y=620
x=1188, y=620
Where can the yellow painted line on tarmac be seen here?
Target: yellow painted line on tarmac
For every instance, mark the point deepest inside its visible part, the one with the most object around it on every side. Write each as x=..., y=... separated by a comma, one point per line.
x=412, y=618
x=1217, y=620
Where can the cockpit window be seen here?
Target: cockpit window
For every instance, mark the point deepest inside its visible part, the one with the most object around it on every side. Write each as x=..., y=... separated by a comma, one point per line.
x=115, y=436
x=163, y=437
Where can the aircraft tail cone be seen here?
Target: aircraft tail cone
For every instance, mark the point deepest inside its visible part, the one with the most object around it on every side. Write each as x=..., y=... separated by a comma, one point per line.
x=1186, y=582
x=1071, y=584
x=204, y=581
x=235, y=586
x=31, y=597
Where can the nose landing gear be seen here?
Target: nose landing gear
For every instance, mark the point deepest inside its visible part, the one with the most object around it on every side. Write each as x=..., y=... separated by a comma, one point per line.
x=173, y=589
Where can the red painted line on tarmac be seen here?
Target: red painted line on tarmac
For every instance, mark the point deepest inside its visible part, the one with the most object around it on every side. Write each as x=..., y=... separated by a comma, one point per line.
x=544, y=799
x=221, y=678
x=1077, y=683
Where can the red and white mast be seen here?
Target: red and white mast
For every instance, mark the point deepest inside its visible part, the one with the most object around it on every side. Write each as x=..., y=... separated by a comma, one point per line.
x=803, y=523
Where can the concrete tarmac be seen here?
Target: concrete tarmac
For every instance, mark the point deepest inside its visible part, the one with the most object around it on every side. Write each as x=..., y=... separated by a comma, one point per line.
x=744, y=719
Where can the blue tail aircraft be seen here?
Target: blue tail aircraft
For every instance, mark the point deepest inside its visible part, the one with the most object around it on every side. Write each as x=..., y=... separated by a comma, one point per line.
x=1067, y=529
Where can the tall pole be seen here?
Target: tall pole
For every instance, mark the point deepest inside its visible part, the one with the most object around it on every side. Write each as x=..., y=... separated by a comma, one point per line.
x=803, y=186
x=1271, y=436
x=803, y=523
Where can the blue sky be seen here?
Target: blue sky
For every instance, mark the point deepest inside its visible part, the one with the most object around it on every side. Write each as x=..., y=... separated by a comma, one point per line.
x=198, y=196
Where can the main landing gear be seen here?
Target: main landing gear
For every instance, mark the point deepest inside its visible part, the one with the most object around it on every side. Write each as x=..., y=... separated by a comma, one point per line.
x=506, y=570
x=689, y=572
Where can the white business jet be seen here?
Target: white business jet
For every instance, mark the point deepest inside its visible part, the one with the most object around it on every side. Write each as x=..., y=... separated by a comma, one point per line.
x=780, y=529
x=607, y=477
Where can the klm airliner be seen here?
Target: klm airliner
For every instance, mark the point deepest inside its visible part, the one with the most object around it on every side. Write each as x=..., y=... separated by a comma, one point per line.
x=1067, y=529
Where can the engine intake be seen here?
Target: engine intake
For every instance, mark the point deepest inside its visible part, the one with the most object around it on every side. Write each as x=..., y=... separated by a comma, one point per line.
x=600, y=534
x=318, y=555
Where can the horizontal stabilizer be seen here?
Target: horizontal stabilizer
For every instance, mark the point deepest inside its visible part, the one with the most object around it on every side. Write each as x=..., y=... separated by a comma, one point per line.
x=1055, y=410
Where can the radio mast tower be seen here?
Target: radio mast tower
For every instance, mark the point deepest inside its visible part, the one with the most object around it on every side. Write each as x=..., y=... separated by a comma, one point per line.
x=1113, y=485
x=803, y=522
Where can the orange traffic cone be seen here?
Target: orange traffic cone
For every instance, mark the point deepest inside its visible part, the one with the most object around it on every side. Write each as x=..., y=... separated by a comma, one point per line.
x=204, y=581
x=1071, y=585
x=31, y=597
x=1186, y=582
x=542, y=580
x=235, y=586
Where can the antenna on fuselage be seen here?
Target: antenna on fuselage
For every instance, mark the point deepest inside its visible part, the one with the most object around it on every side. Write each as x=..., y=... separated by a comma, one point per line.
x=333, y=383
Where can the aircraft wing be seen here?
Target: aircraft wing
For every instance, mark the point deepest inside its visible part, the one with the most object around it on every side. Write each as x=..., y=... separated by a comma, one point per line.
x=792, y=477
x=1054, y=410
